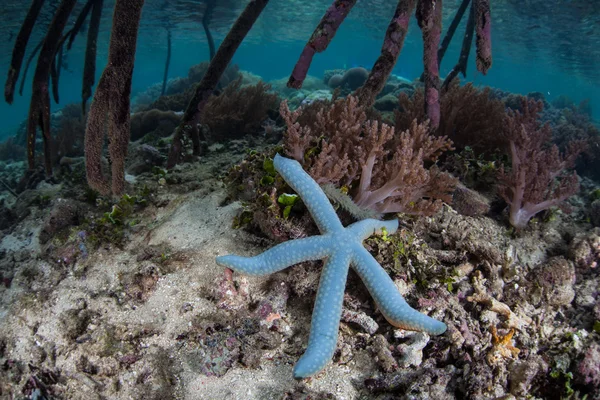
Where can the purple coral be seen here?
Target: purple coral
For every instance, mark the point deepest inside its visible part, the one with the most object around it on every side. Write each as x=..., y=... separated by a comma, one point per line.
x=589, y=367
x=385, y=169
x=402, y=183
x=537, y=180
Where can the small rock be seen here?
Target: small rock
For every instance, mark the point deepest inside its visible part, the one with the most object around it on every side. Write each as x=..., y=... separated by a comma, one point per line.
x=389, y=102
x=468, y=202
x=65, y=213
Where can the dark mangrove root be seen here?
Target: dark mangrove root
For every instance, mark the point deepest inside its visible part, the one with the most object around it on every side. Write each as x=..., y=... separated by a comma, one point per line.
x=429, y=17
x=392, y=46
x=109, y=110
x=483, y=28
x=206, y=18
x=9, y=189
x=320, y=39
x=452, y=29
x=89, y=68
x=450, y=33
x=205, y=88
x=39, y=109
x=79, y=22
x=34, y=52
x=461, y=66
x=167, y=63
x=55, y=68
x=19, y=49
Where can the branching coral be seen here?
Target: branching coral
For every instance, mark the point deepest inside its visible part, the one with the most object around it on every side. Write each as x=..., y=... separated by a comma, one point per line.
x=402, y=183
x=237, y=110
x=332, y=138
x=469, y=116
x=384, y=170
x=537, y=179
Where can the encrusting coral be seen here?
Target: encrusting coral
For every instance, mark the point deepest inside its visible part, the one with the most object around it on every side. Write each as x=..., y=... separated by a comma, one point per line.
x=342, y=247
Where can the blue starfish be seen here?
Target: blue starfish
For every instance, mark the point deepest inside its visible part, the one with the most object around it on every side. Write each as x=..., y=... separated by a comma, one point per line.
x=341, y=247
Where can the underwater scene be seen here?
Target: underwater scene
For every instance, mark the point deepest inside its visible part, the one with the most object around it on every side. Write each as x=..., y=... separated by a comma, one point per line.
x=301, y=200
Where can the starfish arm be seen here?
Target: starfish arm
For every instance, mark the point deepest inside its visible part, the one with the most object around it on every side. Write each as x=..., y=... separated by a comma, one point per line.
x=368, y=227
x=311, y=193
x=326, y=316
x=279, y=257
x=389, y=300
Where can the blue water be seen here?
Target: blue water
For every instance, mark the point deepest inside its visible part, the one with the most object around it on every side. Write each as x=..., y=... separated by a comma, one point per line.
x=551, y=53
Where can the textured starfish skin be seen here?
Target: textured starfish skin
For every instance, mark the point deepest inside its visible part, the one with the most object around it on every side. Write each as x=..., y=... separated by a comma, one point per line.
x=341, y=247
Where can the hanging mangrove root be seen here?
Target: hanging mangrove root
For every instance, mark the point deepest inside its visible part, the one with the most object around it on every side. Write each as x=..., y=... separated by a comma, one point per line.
x=392, y=45
x=320, y=39
x=55, y=69
x=461, y=66
x=109, y=110
x=39, y=109
x=70, y=35
x=429, y=17
x=80, y=21
x=19, y=49
x=452, y=29
x=450, y=33
x=189, y=123
x=206, y=18
x=56, y=66
x=89, y=68
x=167, y=62
x=34, y=52
x=483, y=29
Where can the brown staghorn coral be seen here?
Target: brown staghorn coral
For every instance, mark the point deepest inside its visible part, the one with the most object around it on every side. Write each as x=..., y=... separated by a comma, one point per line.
x=469, y=116
x=297, y=138
x=331, y=136
x=238, y=110
x=537, y=179
x=385, y=171
x=402, y=183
